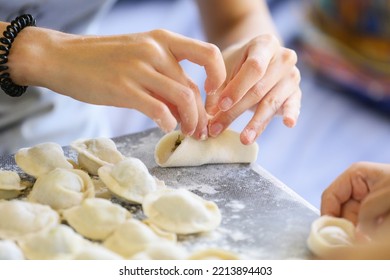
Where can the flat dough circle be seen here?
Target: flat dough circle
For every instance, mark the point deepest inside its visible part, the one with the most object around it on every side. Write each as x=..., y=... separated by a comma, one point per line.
x=226, y=148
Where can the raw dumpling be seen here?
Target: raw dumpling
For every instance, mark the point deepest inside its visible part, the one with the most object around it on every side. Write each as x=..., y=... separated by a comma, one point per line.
x=41, y=159
x=95, y=251
x=330, y=233
x=181, y=211
x=62, y=188
x=176, y=150
x=131, y=237
x=213, y=254
x=5, y=194
x=162, y=251
x=129, y=179
x=21, y=218
x=10, y=251
x=58, y=243
x=101, y=190
x=10, y=180
x=10, y=185
x=94, y=153
x=96, y=218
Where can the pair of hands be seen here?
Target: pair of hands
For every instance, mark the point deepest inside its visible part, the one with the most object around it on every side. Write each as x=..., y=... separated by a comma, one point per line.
x=142, y=71
x=362, y=195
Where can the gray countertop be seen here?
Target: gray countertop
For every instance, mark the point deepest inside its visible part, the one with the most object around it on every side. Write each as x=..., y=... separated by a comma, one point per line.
x=261, y=217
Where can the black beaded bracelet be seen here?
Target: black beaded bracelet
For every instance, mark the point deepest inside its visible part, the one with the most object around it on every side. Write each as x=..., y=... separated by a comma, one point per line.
x=9, y=35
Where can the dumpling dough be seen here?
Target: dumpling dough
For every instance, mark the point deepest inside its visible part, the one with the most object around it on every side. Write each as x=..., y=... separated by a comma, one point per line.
x=162, y=251
x=58, y=243
x=95, y=251
x=131, y=237
x=329, y=233
x=181, y=211
x=94, y=153
x=10, y=180
x=21, y=218
x=129, y=179
x=174, y=149
x=10, y=185
x=41, y=159
x=62, y=188
x=10, y=251
x=96, y=218
x=213, y=254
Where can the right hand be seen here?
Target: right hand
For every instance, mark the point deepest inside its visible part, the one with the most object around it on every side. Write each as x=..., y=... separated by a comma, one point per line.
x=139, y=71
x=361, y=194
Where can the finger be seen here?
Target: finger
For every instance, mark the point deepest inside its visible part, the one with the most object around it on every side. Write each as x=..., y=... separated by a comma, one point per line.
x=350, y=210
x=260, y=54
x=267, y=109
x=169, y=67
x=291, y=109
x=374, y=210
x=182, y=97
x=201, y=132
x=203, y=54
x=153, y=108
x=269, y=104
x=211, y=104
x=351, y=184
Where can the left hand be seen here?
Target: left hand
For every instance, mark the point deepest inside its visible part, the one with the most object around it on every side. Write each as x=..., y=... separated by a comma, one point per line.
x=361, y=194
x=261, y=74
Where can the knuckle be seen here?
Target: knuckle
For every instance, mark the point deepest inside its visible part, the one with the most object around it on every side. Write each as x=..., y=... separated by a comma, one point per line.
x=265, y=38
x=289, y=56
x=159, y=111
x=186, y=95
x=258, y=91
x=296, y=75
x=273, y=102
x=356, y=167
x=255, y=66
x=228, y=118
x=159, y=33
x=212, y=51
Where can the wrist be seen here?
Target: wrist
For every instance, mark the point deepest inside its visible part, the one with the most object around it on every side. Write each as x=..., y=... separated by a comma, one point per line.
x=32, y=57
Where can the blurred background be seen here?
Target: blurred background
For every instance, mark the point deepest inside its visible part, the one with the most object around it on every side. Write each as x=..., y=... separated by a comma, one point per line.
x=343, y=49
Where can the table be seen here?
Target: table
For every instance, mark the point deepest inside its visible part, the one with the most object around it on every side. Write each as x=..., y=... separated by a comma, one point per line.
x=261, y=217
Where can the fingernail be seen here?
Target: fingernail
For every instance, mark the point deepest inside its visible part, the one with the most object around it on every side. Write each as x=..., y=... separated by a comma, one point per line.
x=225, y=104
x=251, y=135
x=289, y=122
x=215, y=129
x=204, y=134
x=190, y=133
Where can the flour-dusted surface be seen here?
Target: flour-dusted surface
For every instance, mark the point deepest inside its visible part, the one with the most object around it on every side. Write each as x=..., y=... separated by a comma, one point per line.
x=261, y=217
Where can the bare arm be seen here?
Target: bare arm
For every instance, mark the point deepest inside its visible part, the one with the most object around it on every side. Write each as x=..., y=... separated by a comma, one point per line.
x=227, y=22
x=139, y=71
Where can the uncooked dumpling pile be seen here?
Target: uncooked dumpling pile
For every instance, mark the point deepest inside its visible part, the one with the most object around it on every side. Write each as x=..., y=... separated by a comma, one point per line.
x=67, y=211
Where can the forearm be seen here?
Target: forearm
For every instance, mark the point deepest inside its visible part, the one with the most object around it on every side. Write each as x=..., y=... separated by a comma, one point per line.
x=29, y=57
x=227, y=22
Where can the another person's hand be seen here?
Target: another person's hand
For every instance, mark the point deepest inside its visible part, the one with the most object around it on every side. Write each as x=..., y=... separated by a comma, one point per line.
x=139, y=71
x=362, y=195
x=262, y=75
